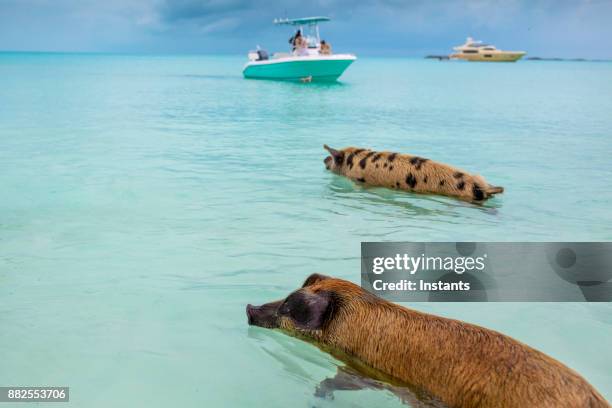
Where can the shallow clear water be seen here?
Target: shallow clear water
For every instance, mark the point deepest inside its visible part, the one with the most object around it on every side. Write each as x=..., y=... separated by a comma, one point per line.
x=145, y=200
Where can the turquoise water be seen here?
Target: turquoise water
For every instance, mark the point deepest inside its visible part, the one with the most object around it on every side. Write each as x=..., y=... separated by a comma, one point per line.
x=145, y=200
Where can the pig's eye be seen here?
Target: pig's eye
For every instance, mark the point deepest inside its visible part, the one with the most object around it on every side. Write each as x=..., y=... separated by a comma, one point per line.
x=284, y=309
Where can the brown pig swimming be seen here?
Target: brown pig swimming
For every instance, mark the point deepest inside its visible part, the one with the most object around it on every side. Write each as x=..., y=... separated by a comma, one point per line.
x=410, y=173
x=461, y=364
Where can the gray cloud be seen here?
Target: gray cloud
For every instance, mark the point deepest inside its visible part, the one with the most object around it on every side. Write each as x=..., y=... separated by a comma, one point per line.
x=176, y=10
x=576, y=28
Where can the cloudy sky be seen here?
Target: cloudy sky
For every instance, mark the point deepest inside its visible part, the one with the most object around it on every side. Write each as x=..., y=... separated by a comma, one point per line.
x=563, y=28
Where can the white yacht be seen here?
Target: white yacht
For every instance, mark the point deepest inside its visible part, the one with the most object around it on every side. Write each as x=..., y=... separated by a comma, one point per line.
x=474, y=50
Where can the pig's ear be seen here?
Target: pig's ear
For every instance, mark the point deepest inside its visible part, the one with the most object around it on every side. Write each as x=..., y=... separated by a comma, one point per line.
x=314, y=278
x=336, y=154
x=309, y=311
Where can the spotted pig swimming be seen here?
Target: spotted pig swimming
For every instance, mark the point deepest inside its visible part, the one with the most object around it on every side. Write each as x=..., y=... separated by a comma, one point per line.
x=409, y=173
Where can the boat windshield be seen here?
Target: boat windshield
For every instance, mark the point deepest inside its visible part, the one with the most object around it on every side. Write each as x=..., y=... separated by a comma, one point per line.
x=312, y=36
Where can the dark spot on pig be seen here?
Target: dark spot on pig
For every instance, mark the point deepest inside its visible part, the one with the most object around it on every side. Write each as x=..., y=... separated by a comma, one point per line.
x=339, y=159
x=411, y=180
x=349, y=160
x=377, y=166
x=385, y=165
x=397, y=184
x=417, y=162
x=458, y=175
x=363, y=162
x=477, y=193
x=359, y=151
x=390, y=168
x=361, y=179
x=425, y=180
x=376, y=157
x=442, y=182
x=461, y=185
x=391, y=157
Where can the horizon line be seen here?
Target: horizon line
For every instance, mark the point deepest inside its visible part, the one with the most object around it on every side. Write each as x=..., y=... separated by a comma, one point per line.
x=366, y=55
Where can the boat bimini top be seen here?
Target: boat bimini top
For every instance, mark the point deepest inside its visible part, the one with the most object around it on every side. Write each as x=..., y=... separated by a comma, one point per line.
x=301, y=21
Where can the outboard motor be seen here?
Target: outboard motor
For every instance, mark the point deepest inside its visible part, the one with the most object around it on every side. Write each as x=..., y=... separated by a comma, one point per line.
x=262, y=55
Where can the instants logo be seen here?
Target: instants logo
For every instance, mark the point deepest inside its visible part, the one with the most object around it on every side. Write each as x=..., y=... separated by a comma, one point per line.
x=414, y=264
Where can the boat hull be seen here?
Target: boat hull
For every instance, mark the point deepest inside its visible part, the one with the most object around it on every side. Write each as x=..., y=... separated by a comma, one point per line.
x=491, y=57
x=320, y=69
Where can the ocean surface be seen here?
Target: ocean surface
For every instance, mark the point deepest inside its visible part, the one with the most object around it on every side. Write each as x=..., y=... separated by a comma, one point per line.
x=145, y=200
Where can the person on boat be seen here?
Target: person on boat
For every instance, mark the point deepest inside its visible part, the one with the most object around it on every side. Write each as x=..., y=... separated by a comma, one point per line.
x=325, y=48
x=301, y=46
x=295, y=39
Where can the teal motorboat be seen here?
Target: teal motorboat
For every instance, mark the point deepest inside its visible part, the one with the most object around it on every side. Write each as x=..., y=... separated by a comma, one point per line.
x=309, y=60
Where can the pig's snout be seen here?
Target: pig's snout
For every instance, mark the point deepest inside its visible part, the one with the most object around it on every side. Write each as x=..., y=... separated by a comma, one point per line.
x=250, y=311
x=264, y=315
